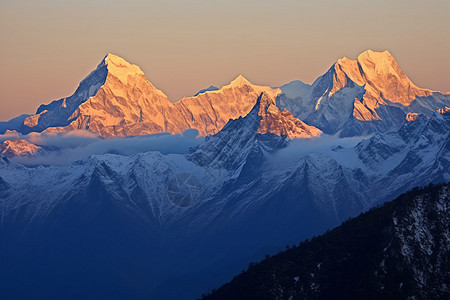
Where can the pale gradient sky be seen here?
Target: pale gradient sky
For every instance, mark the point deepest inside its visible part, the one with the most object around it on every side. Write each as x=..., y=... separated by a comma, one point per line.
x=48, y=46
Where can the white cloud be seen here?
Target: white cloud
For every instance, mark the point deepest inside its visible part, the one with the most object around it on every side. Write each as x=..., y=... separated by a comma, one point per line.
x=64, y=148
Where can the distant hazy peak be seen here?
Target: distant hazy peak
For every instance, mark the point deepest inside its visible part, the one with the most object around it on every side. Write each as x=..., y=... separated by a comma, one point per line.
x=208, y=89
x=295, y=89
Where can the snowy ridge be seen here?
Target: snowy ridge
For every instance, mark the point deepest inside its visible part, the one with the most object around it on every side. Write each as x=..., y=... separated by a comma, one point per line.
x=264, y=129
x=360, y=97
x=248, y=200
x=415, y=154
x=353, y=98
x=116, y=99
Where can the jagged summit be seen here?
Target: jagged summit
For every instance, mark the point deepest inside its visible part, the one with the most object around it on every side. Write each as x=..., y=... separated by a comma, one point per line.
x=375, y=55
x=240, y=81
x=354, y=97
x=281, y=123
x=209, y=112
x=360, y=96
x=111, y=58
x=264, y=128
x=116, y=99
x=381, y=76
x=263, y=103
x=266, y=117
x=120, y=68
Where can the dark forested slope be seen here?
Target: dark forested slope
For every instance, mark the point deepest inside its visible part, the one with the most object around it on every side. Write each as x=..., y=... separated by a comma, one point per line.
x=398, y=250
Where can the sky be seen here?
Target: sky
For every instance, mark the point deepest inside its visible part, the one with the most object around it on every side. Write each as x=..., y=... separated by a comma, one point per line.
x=49, y=46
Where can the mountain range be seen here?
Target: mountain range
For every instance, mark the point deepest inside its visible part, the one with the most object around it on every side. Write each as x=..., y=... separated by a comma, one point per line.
x=353, y=98
x=275, y=166
x=124, y=219
x=359, y=97
x=116, y=99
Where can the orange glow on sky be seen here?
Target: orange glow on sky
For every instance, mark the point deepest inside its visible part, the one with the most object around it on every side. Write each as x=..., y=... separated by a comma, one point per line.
x=49, y=46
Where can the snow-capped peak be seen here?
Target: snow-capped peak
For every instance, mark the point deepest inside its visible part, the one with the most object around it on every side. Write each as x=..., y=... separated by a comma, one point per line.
x=376, y=56
x=120, y=68
x=239, y=81
x=370, y=65
x=381, y=75
x=281, y=123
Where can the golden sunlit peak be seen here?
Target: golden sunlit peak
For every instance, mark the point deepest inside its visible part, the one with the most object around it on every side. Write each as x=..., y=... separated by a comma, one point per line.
x=375, y=56
x=343, y=60
x=369, y=55
x=120, y=68
x=115, y=59
x=240, y=81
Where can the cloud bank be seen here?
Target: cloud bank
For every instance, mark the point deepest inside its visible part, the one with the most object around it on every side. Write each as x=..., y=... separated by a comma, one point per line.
x=67, y=147
x=299, y=148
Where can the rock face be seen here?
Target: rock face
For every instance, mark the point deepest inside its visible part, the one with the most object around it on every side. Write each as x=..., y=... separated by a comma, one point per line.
x=281, y=123
x=116, y=99
x=264, y=118
x=18, y=148
x=264, y=128
x=362, y=96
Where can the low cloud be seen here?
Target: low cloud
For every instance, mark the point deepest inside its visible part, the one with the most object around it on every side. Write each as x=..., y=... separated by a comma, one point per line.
x=64, y=148
x=299, y=148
